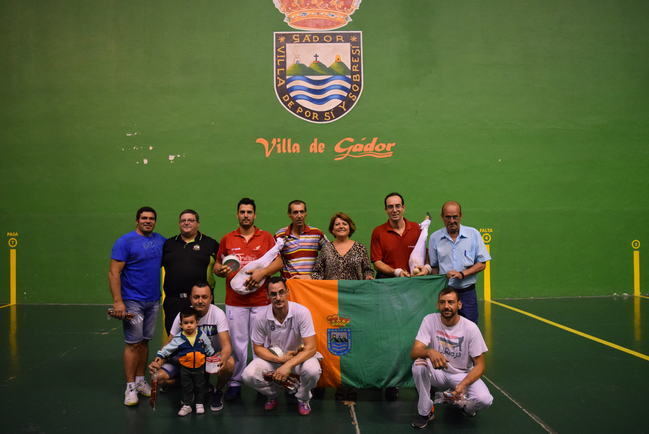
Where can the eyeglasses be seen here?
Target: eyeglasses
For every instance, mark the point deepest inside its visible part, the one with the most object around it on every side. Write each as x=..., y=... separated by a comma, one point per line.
x=280, y=293
x=188, y=221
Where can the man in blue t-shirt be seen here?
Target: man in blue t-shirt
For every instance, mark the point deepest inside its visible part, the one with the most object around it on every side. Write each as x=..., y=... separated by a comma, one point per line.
x=134, y=279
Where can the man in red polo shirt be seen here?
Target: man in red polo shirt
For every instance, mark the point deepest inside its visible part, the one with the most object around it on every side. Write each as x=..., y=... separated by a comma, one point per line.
x=390, y=248
x=393, y=241
x=248, y=243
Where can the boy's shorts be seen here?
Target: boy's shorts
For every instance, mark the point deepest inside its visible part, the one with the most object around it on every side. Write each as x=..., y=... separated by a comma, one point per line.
x=142, y=326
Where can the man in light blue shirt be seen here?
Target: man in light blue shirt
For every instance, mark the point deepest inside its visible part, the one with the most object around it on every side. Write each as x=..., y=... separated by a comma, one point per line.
x=458, y=252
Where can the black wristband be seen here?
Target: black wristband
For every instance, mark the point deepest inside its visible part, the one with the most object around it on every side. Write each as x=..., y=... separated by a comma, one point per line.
x=462, y=274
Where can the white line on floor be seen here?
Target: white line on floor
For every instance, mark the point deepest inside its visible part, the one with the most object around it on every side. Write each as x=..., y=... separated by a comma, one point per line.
x=534, y=417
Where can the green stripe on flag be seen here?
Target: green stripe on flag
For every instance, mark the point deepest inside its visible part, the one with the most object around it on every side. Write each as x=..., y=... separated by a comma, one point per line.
x=385, y=315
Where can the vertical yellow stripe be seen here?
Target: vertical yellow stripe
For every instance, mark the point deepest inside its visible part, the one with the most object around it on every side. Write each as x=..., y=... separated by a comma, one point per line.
x=162, y=279
x=12, y=276
x=487, y=277
x=636, y=272
x=321, y=298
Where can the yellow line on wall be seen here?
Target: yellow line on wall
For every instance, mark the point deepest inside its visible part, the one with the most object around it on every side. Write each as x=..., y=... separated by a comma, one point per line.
x=577, y=332
x=636, y=272
x=3, y=306
x=643, y=296
x=487, y=277
x=12, y=276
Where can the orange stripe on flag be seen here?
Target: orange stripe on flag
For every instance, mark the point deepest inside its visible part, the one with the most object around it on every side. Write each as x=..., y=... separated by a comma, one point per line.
x=324, y=295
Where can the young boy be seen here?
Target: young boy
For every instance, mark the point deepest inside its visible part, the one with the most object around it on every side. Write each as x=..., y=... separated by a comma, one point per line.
x=190, y=346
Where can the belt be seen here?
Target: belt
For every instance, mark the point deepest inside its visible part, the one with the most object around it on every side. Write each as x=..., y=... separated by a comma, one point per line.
x=467, y=289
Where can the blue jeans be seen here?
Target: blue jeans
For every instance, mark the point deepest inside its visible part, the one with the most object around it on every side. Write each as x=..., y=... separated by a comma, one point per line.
x=142, y=326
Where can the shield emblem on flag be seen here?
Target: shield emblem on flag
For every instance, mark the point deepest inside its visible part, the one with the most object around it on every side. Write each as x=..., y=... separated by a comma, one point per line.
x=339, y=341
x=318, y=75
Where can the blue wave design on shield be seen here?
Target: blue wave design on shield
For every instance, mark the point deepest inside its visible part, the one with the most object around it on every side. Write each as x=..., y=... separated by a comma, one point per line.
x=303, y=88
x=339, y=341
x=319, y=91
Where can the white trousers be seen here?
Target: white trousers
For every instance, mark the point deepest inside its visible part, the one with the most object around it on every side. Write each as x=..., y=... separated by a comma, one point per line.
x=309, y=373
x=425, y=376
x=240, y=323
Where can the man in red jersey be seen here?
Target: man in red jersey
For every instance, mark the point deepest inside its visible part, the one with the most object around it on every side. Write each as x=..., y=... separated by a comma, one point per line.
x=248, y=243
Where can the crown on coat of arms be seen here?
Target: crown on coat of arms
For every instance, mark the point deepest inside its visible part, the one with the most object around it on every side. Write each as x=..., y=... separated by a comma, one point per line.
x=337, y=321
x=317, y=14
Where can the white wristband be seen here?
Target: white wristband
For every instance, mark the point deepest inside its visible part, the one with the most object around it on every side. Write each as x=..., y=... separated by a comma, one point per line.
x=397, y=272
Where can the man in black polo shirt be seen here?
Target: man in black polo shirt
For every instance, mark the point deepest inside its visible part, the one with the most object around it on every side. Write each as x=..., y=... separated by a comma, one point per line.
x=187, y=259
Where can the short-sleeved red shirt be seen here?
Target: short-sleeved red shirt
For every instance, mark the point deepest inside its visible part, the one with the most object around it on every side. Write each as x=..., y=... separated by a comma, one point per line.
x=234, y=243
x=391, y=248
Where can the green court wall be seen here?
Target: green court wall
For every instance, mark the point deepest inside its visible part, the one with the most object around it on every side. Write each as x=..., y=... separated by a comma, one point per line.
x=533, y=114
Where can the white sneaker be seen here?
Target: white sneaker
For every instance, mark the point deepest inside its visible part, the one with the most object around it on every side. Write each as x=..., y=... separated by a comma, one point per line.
x=200, y=409
x=143, y=388
x=185, y=410
x=130, y=396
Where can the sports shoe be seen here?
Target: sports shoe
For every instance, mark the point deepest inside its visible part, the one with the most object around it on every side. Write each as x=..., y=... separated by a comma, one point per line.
x=303, y=408
x=143, y=388
x=185, y=410
x=421, y=422
x=130, y=396
x=270, y=404
x=233, y=392
x=200, y=409
x=216, y=404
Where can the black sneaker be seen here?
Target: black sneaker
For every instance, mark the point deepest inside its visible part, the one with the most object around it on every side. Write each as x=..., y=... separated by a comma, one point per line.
x=216, y=403
x=391, y=393
x=421, y=422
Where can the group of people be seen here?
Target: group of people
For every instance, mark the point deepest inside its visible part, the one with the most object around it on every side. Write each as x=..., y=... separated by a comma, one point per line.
x=448, y=346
